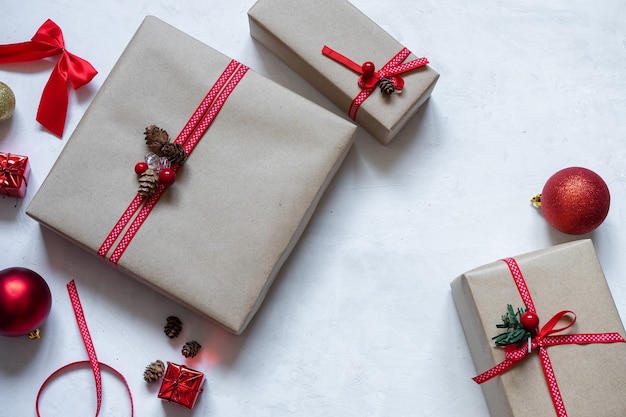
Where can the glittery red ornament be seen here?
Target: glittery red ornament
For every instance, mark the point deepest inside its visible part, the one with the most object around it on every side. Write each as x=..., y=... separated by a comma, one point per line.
x=575, y=200
x=25, y=301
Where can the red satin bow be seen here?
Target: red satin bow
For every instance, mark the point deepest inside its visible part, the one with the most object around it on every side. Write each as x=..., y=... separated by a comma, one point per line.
x=47, y=42
x=543, y=340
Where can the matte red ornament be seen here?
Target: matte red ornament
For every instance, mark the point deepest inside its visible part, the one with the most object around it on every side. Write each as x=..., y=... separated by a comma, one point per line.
x=368, y=69
x=575, y=200
x=141, y=167
x=530, y=322
x=167, y=176
x=25, y=301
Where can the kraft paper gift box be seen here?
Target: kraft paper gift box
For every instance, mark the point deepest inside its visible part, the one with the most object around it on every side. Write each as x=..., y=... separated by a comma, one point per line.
x=297, y=30
x=218, y=236
x=590, y=377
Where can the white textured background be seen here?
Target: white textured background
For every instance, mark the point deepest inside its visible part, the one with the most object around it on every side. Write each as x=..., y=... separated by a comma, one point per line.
x=360, y=321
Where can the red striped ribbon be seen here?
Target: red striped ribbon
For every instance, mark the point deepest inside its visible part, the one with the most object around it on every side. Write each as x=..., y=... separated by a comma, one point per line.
x=139, y=208
x=543, y=340
x=91, y=353
x=391, y=69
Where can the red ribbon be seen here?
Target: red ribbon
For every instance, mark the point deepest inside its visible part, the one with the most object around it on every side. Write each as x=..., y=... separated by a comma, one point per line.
x=47, y=42
x=138, y=210
x=367, y=82
x=91, y=353
x=543, y=340
x=12, y=173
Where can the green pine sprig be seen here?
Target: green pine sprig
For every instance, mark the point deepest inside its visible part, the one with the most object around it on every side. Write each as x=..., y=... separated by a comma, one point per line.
x=516, y=333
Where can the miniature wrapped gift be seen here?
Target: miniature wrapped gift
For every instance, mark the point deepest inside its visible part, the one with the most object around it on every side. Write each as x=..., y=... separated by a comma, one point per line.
x=348, y=58
x=572, y=361
x=14, y=172
x=250, y=164
x=181, y=385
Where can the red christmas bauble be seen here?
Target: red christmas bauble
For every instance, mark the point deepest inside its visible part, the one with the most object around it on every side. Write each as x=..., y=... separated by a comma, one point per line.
x=141, y=167
x=167, y=176
x=25, y=301
x=575, y=200
x=530, y=321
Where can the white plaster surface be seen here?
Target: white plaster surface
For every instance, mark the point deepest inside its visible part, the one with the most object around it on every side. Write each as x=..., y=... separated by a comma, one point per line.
x=360, y=321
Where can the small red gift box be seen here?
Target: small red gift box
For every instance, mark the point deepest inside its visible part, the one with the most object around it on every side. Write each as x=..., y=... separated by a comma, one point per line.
x=181, y=385
x=14, y=171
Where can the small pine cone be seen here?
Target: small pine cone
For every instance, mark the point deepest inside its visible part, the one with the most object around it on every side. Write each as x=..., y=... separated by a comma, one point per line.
x=173, y=327
x=174, y=152
x=148, y=182
x=386, y=86
x=156, y=138
x=191, y=349
x=154, y=371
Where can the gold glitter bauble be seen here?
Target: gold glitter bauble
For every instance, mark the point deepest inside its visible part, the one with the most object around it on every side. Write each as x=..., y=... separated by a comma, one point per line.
x=7, y=102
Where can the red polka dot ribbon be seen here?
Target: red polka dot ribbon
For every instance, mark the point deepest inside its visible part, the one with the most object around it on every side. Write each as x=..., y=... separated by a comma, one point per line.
x=369, y=78
x=542, y=341
x=91, y=354
x=138, y=210
x=47, y=42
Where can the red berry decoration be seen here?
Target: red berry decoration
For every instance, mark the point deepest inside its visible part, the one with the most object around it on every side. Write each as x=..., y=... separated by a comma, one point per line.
x=141, y=167
x=574, y=200
x=368, y=69
x=167, y=176
x=530, y=322
x=25, y=302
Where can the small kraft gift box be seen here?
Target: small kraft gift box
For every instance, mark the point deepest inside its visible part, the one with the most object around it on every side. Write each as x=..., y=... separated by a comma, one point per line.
x=572, y=362
x=250, y=160
x=348, y=58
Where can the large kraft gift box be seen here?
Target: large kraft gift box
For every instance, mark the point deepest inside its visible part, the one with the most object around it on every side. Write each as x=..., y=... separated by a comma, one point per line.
x=218, y=236
x=297, y=30
x=591, y=377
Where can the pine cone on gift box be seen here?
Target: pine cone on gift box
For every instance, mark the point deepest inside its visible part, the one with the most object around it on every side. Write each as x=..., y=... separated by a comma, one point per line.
x=148, y=182
x=173, y=327
x=154, y=371
x=191, y=349
x=174, y=152
x=386, y=86
x=156, y=138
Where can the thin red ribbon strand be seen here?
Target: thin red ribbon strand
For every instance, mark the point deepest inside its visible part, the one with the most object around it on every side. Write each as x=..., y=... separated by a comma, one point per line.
x=139, y=208
x=391, y=70
x=47, y=42
x=91, y=353
x=543, y=340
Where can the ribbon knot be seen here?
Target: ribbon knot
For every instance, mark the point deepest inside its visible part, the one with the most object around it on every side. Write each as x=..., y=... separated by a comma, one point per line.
x=48, y=41
x=369, y=78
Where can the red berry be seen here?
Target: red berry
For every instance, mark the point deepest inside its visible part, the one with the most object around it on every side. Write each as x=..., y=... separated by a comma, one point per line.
x=368, y=69
x=167, y=176
x=141, y=167
x=530, y=321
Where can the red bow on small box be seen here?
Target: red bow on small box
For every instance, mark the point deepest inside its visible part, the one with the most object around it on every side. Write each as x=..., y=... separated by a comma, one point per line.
x=14, y=170
x=181, y=385
x=47, y=42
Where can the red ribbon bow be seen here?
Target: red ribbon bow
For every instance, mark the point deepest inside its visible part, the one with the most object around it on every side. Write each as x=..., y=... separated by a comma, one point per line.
x=47, y=42
x=543, y=340
x=369, y=77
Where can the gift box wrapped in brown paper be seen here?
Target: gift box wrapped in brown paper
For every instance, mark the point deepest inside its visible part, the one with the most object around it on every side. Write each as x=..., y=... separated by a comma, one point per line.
x=563, y=277
x=218, y=236
x=297, y=30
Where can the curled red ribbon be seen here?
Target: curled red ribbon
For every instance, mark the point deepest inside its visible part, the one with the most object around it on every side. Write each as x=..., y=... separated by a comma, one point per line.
x=47, y=42
x=369, y=78
x=544, y=339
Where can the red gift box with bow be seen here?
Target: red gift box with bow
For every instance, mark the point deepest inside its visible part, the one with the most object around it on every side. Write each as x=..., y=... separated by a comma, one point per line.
x=14, y=172
x=181, y=385
x=575, y=365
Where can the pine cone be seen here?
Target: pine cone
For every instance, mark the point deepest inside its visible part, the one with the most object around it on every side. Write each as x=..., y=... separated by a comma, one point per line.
x=191, y=349
x=154, y=371
x=173, y=327
x=156, y=138
x=148, y=182
x=386, y=86
x=174, y=152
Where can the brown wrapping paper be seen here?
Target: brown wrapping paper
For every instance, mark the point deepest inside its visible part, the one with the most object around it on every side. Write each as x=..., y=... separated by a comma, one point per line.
x=563, y=277
x=219, y=235
x=296, y=31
